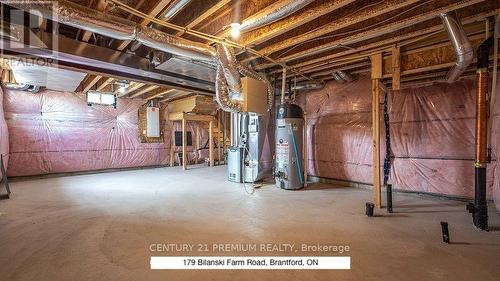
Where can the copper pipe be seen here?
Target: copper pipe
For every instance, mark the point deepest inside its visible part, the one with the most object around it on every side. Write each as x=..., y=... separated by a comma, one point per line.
x=482, y=118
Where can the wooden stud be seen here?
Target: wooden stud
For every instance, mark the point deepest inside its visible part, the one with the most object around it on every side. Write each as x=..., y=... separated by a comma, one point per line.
x=172, y=144
x=197, y=143
x=306, y=160
x=184, y=145
x=377, y=190
x=396, y=68
x=376, y=78
x=218, y=138
x=211, y=143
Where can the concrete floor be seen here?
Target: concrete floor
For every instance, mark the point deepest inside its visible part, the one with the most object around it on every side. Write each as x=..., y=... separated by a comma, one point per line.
x=100, y=226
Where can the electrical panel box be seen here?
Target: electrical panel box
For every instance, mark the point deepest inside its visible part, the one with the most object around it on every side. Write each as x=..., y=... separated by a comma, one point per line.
x=153, y=122
x=254, y=95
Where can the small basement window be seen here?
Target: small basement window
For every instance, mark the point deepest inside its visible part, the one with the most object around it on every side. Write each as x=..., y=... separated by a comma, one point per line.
x=94, y=97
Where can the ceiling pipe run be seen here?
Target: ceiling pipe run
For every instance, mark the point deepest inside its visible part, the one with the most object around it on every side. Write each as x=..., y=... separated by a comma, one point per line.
x=460, y=43
x=308, y=86
x=91, y=20
x=283, y=9
x=175, y=8
x=345, y=76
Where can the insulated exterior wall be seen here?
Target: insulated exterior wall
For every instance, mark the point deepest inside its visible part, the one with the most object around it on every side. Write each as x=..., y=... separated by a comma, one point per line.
x=432, y=136
x=56, y=132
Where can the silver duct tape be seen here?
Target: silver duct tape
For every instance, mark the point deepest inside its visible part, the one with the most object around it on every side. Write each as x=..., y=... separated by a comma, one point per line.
x=308, y=86
x=80, y=17
x=175, y=8
x=345, y=76
x=288, y=8
x=162, y=41
x=228, y=62
x=222, y=93
x=337, y=77
x=461, y=45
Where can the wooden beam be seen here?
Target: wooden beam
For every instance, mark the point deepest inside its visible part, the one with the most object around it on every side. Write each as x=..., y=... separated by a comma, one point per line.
x=184, y=145
x=396, y=68
x=376, y=76
x=153, y=13
x=205, y=15
x=143, y=91
x=293, y=21
x=371, y=33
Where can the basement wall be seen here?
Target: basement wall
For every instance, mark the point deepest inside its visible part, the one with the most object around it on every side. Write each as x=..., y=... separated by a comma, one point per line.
x=57, y=132
x=432, y=136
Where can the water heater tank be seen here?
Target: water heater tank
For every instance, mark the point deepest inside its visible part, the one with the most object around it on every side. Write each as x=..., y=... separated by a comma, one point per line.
x=289, y=167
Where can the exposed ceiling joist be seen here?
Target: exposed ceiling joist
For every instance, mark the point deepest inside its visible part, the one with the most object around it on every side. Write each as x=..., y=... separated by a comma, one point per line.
x=366, y=35
x=371, y=33
x=101, y=6
x=293, y=21
x=144, y=90
x=155, y=12
x=104, y=83
x=89, y=82
x=205, y=15
x=161, y=93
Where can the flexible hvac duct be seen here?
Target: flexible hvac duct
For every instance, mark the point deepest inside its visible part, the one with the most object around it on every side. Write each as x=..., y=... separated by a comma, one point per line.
x=337, y=77
x=222, y=93
x=228, y=63
x=117, y=28
x=286, y=8
x=162, y=41
x=460, y=43
x=175, y=8
x=345, y=76
x=308, y=86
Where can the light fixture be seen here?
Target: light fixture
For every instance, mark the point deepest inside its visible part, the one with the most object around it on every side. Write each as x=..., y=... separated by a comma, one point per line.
x=122, y=85
x=235, y=30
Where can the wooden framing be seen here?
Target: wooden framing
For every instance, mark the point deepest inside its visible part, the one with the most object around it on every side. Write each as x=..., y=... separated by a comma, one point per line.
x=184, y=118
x=396, y=68
x=376, y=76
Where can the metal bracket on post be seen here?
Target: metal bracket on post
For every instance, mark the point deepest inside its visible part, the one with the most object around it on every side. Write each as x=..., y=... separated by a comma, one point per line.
x=4, y=180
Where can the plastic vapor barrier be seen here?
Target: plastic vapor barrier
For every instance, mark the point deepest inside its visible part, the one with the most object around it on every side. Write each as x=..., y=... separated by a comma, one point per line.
x=432, y=136
x=57, y=132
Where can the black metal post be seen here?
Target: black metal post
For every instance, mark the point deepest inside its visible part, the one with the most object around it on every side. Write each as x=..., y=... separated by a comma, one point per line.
x=389, y=197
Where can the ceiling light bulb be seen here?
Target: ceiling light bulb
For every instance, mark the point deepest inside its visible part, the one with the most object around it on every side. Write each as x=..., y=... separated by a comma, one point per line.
x=235, y=30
